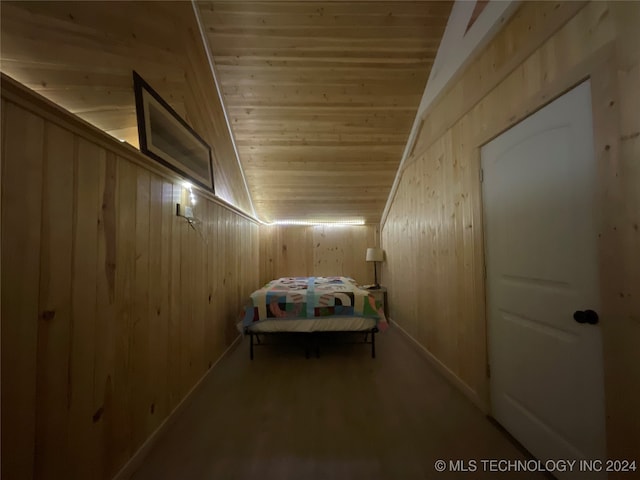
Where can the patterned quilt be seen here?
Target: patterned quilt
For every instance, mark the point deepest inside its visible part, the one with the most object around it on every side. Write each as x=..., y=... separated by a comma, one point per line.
x=309, y=297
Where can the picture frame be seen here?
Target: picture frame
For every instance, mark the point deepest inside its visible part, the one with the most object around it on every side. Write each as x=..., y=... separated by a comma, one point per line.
x=168, y=139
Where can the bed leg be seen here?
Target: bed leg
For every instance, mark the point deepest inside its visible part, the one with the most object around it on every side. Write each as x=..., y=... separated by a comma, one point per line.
x=373, y=344
x=251, y=345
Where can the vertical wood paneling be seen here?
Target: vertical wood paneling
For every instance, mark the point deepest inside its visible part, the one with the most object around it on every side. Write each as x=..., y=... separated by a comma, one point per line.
x=157, y=334
x=175, y=366
x=163, y=354
x=199, y=298
x=317, y=250
x=139, y=353
x=120, y=445
x=223, y=262
x=106, y=320
x=209, y=325
x=439, y=199
x=22, y=164
x=185, y=320
x=54, y=330
x=215, y=265
x=219, y=247
x=83, y=306
x=616, y=103
x=267, y=253
x=228, y=267
x=104, y=338
x=624, y=337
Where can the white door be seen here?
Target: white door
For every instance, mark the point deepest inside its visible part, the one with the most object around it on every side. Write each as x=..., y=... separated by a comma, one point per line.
x=547, y=384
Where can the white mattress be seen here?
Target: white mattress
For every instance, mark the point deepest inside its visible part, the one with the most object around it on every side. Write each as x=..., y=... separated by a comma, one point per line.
x=327, y=324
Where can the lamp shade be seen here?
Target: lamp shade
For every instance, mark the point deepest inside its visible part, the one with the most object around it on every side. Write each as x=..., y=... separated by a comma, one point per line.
x=375, y=255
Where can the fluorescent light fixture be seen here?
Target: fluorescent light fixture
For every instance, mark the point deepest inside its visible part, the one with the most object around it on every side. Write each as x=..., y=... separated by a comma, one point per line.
x=357, y=221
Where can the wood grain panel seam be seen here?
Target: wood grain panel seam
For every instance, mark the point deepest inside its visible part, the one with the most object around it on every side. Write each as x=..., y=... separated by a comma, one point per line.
x=40, y=293
x=19, y=336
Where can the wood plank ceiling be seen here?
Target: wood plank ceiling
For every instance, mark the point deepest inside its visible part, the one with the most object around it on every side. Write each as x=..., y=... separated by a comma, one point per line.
x=321, y=97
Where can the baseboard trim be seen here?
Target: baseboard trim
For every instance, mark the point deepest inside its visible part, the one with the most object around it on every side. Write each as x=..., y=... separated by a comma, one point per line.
x=445, y=371
x=136, y=460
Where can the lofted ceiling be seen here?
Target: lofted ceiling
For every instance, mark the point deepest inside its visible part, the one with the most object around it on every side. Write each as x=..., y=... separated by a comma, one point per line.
x=320, y=96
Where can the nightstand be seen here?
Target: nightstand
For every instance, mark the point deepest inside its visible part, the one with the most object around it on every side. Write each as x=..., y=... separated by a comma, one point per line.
x=380, y=296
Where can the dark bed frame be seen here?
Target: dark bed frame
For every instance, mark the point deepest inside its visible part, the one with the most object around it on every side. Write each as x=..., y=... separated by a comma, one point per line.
x=311, y=339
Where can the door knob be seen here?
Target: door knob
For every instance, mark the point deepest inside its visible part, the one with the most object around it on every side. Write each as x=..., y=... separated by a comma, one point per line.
x=586, y=316
x=592, y=317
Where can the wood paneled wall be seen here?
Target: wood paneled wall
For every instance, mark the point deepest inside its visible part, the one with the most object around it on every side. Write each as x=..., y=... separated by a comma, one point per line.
x=81, y=55
x=317, y=250
x=113, y=307
x=433, y=232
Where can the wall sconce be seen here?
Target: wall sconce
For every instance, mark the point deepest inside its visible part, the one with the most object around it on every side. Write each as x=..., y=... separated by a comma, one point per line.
x=186, y=210
x=375, y=255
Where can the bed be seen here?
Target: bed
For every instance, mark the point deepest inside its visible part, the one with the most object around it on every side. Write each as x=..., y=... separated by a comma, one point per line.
x=311, y=306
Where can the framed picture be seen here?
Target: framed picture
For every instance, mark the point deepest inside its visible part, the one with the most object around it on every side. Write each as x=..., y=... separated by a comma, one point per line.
x=167, y=138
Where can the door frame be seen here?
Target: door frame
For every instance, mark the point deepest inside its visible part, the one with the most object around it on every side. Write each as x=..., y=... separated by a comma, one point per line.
x=478, y=166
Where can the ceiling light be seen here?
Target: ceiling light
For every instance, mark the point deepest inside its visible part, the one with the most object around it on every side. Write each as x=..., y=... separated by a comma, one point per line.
x=357, y=221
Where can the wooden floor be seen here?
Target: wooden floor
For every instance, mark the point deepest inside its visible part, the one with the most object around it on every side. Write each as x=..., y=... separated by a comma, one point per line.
x=341, y=416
